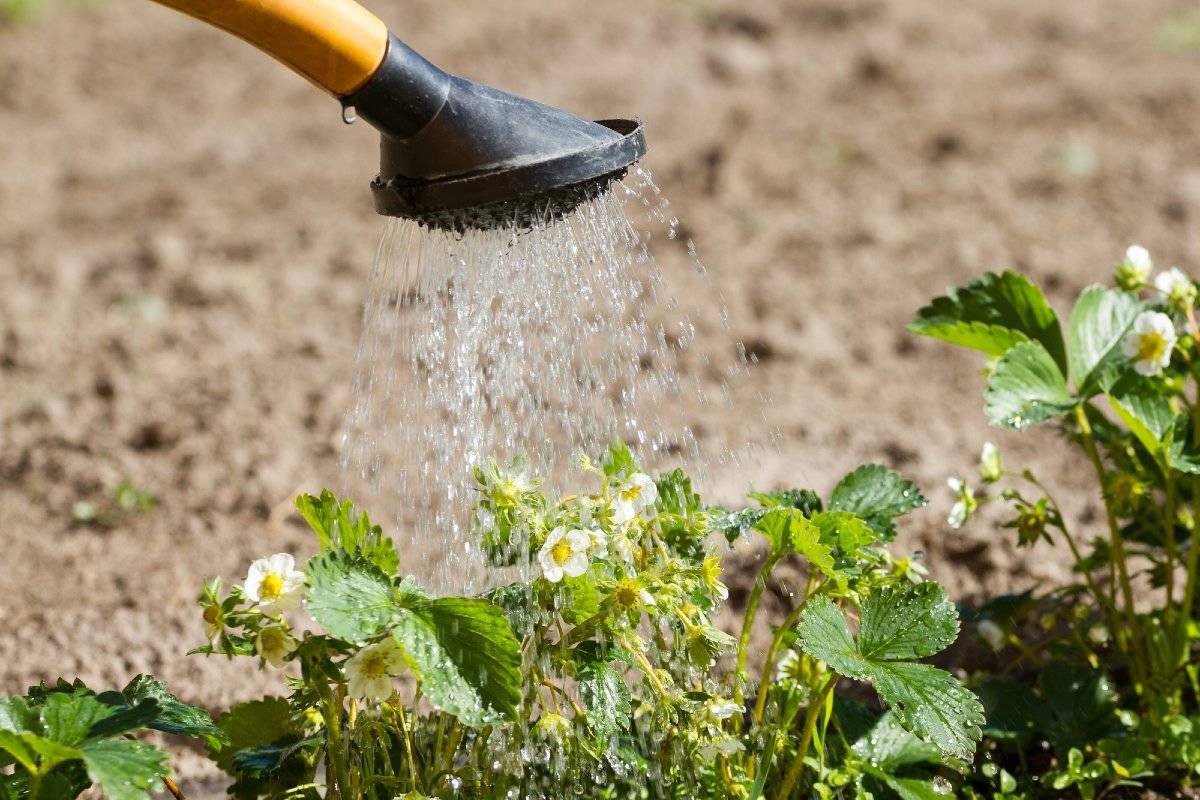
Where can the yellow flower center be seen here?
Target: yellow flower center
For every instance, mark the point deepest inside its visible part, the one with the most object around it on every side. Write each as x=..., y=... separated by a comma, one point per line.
x=561, y=552
x=271, y=586
x=374, y=667
x=1151, y=347
x=212, y=615
x=631, y=493
x=627, y=594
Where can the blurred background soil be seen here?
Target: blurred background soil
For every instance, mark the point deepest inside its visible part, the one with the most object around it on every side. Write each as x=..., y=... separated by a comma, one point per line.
x=185, y=235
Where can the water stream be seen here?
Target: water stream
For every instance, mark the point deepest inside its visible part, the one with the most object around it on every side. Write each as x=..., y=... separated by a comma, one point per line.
x=532, y=344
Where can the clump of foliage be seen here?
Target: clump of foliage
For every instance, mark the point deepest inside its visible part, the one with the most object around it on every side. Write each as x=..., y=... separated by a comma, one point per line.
x=1100, y=688
x=602, y=673
x=57, y=741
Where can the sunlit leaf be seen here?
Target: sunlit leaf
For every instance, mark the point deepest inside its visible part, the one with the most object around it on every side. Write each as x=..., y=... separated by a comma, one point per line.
x=1026, y=388
x=992, y=314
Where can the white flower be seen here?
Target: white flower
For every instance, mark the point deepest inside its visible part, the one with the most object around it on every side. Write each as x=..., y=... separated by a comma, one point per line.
x=991, y=633
x=274, y=584
x=725, y=746
x=990, y=466
x=1149, y=342
x=597, y=544
x=787, y=666
x=369, y=672
x=1133, y=273
x=1139, y=257
x=564, y=553
x=723, y=710
x=636, y=494
x=1175, y=288
x=273, y=645
x=966, y=504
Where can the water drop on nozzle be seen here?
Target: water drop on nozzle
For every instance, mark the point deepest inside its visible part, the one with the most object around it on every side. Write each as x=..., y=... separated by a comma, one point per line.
x=349, y=115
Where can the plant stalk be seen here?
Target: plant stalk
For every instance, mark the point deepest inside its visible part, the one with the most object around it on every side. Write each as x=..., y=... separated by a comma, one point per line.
x=1119, y=568
x=806, y=737
x=789, y=622
x=760, y=584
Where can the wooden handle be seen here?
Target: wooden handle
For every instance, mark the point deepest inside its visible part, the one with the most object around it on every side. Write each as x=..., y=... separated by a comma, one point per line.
x=336, y=44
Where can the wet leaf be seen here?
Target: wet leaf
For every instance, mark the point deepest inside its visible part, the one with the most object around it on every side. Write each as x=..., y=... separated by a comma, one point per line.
x=927, y=701
x=348, y=596
x=1026, y=388
x=606, y=698
x=465, y=655
x=878, y=496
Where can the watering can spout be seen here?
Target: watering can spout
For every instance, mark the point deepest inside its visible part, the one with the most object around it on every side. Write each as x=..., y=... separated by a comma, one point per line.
x=454, y=153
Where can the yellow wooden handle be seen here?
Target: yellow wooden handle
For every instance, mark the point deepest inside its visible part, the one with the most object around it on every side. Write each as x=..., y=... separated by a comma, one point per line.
x=336, y=44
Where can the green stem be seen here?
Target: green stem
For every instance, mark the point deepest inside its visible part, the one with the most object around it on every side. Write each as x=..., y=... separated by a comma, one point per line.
x=451, y=749
x=789, y=622
x=806, y=737
x=408, y=747
x=335, y=756
x=1169, y=524
x=1189, y=592
x=760, y=584
x=1093, y=587
x=1119, y=568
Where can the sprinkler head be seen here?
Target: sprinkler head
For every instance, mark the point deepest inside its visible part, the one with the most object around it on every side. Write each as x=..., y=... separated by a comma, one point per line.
x=456, y=154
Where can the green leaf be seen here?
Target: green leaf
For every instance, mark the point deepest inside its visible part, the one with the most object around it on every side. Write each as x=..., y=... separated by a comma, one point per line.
x=252, y=724
x=992, y=314
x=789, y=531
x=1013, y=710
x=890, y=747
x=1181, y=454
x=68, y=719
x=125, y=769
x=878, y=496
x=1146, y=413
x=926, y=700
x=1081, y=702
x=349, y=596
x=35, y=753
x=606, y=698
x=16, y=716
x=824, y=635
x=933, y=705
x=1098, y=323
x=339, y=526
x=804, y=499
x=173, y=716
x=907, y=623
x=844, y=530
x=909, y=788
x=466, y=657
x=1026, y=388
x=619, y=462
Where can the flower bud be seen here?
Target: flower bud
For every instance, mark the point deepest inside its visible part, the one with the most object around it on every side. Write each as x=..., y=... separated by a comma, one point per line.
x=1133, y=273
x=991, y=468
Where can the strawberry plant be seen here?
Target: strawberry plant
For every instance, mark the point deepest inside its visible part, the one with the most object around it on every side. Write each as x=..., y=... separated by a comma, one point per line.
x=602, y=673
x=1102, y=671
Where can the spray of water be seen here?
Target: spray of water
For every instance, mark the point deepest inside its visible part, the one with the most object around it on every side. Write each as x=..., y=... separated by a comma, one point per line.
x=531, y=344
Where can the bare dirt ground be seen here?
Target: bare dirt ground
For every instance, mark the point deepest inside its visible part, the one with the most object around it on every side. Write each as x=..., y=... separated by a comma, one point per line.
x=185, y=234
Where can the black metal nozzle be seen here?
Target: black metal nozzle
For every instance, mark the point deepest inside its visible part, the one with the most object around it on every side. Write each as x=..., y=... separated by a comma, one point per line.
x=457, y=154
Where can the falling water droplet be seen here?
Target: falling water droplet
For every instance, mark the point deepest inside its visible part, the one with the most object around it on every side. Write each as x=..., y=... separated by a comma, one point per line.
x=531, y=343
x=941, y=785
x=349, y=115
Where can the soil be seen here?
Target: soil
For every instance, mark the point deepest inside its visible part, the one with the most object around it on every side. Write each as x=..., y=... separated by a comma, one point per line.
x=185, y=235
